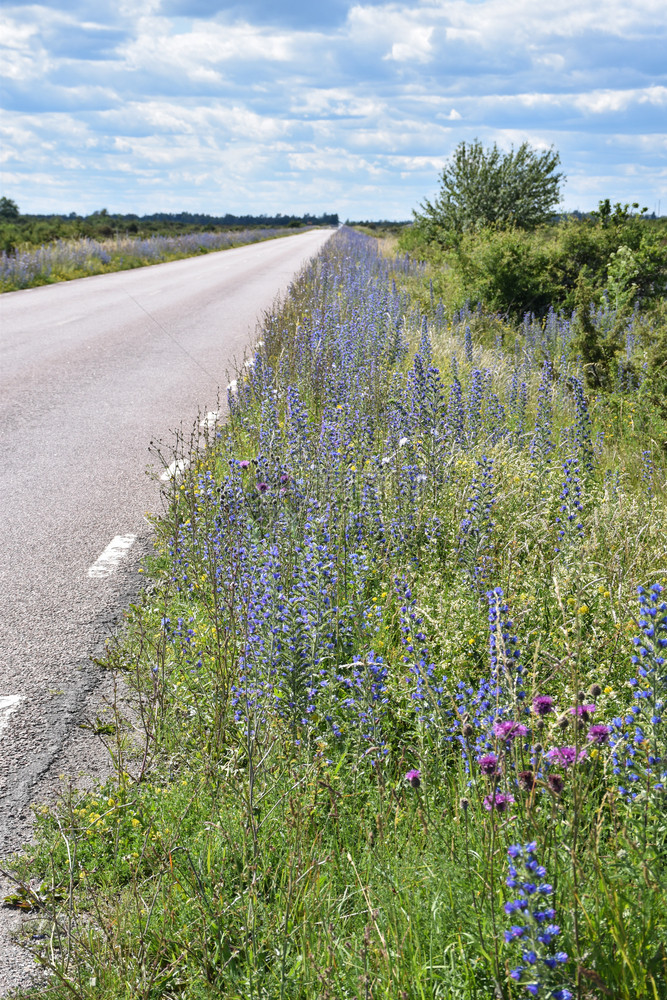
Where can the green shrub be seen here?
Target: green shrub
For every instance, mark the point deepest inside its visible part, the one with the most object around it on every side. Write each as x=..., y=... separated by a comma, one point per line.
x=514, y=271
x=509, y=270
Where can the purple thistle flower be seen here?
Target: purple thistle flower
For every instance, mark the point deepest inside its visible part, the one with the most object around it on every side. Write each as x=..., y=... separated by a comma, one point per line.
x=565, y=756
x=498, y=801
x=262, y=487
x=527, y=780
x=508, y=730
x=543, y=704
x=414, y=777
x=598, y=733
x=489, y=764
x=583, y=710
x=556, y=783
x=244, y=464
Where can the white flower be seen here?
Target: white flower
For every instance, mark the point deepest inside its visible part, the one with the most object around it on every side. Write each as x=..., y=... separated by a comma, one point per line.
x=386, y=460
x=250, y=363
x=402, y=443
x=233, y=386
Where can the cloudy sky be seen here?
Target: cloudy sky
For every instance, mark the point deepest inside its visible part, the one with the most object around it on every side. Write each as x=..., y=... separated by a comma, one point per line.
x=323, y=105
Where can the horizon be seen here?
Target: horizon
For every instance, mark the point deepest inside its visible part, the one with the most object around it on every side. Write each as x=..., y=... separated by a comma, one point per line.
x=150, y=216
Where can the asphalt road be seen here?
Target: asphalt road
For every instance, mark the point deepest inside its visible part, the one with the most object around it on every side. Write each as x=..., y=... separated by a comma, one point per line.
x=91, y=371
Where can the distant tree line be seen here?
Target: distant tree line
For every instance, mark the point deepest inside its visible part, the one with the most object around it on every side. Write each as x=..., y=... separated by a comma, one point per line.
x=17, y=229
x=379, y=224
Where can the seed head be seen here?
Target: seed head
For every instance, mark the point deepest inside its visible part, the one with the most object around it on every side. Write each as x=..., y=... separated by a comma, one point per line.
x=556, y=783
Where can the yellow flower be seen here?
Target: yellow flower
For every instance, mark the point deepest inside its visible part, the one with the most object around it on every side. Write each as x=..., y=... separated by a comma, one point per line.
x=583, y=610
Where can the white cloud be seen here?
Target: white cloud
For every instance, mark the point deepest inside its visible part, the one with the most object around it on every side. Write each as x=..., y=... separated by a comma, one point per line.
x=22, y=55
x=400, y=33
x=213, y=44
x=611, y=101
x=336, y=102
x=130, y=105
x=416, y=46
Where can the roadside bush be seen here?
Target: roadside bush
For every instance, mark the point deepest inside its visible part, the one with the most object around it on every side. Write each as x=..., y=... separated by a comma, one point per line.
x=593, y=244
x=514, y=271
x=510, y=271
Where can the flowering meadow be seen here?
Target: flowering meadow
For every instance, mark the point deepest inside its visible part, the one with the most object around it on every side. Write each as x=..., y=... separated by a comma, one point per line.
x=64, y=259
x=399, y=728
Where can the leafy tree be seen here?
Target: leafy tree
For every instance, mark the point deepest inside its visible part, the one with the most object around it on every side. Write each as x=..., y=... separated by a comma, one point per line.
x=486, y=187
x=8, y=208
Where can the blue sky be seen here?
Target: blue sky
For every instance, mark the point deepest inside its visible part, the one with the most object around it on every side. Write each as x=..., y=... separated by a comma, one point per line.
x=270, y=106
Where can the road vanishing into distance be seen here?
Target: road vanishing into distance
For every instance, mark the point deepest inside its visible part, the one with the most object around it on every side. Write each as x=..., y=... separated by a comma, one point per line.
x=92, y=371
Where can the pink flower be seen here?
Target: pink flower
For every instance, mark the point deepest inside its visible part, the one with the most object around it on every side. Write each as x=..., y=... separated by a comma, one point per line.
x=583, y=710
x=508, y=730
x=498, y=801
x=598, y=733
x=414, y=777
x=488, y=764
x=244, y=464
x=565, y=756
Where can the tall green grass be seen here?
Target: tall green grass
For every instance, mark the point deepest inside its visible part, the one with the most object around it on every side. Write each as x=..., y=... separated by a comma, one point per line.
x=364, y=574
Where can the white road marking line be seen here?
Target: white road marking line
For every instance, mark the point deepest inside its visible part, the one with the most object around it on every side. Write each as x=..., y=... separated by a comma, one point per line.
x=175, y=469
x=210, y=420
x=8, y=704
x=111, y=558
x=72, y=319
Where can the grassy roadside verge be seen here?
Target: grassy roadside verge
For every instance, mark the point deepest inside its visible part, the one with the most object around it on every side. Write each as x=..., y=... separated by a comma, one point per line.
x=391, y=740
x=64, y=260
